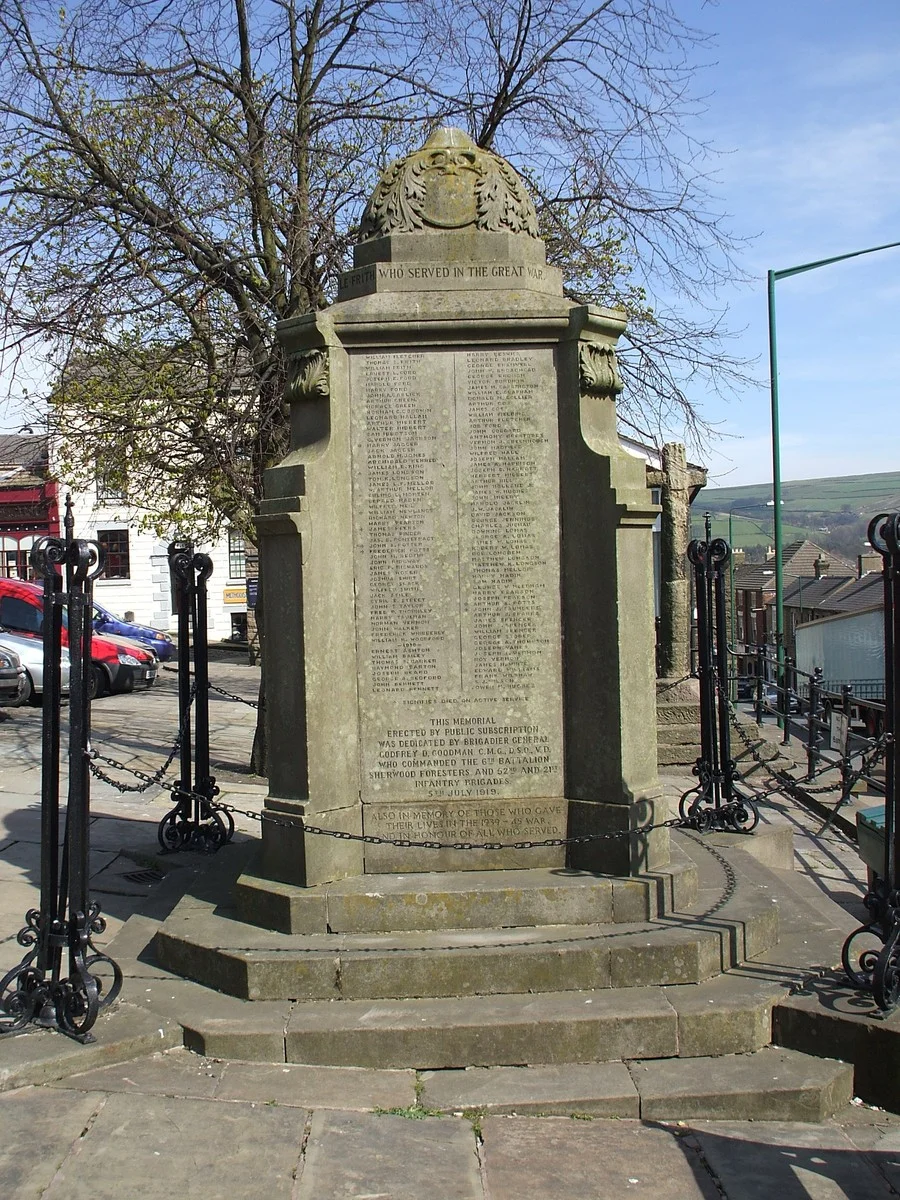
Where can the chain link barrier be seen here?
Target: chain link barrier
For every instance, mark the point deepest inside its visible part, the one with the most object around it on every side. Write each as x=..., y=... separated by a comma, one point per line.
x=94, y=756
x=222, y=692
x=875, y=750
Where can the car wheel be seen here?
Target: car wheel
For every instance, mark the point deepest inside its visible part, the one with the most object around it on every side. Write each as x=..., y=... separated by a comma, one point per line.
x=97, y=686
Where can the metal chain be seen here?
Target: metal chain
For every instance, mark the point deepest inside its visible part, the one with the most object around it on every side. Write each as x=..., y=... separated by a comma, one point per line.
x=221, y=691
x=94, y=756
x=371, y=839
x=782, y=779
x=231, y=696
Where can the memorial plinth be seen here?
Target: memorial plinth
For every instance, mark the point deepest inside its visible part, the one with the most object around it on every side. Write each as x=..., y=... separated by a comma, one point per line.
x=456, y=553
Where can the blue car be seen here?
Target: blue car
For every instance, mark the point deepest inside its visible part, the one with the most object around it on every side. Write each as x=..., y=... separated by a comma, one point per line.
x=154, y=639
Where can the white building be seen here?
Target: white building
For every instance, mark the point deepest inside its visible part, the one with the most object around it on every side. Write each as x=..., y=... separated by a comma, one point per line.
x=136, y=578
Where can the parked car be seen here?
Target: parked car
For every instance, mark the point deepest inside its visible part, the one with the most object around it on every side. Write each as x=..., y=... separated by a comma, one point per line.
x=746, y=687
x=117, y=663
x=12, y=676
x=154, y=639
x=30, y=650
x=770, y=699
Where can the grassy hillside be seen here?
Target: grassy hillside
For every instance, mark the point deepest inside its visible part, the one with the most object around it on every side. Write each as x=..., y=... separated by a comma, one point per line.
x=832, y=512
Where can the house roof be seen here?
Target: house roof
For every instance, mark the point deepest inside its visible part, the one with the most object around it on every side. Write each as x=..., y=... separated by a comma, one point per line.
x=799, y=561
x=23, y=459
x=836, y=595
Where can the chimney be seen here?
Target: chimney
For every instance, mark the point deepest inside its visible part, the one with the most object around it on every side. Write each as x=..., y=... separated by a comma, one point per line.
x=866, y=563
x=770, y=553
x=821, y=565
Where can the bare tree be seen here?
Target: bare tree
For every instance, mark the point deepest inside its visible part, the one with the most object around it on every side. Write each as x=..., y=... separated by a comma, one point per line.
x=179, y=175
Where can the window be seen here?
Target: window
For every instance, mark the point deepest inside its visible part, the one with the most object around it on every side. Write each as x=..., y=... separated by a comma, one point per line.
x=19, y=615
x=237, y=555
x=108, y=491
x=115, y=544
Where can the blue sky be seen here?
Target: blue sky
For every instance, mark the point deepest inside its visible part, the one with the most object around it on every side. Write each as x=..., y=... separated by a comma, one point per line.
x=804, y=106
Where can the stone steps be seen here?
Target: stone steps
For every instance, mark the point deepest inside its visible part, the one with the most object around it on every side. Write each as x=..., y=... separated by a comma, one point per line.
x=612, y=1050
x=463, y=900
x=771, y=1084
x=503, y=1030
x=716, y=931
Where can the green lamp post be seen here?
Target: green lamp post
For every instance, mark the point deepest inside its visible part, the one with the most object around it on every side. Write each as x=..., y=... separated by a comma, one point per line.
x=772, y=278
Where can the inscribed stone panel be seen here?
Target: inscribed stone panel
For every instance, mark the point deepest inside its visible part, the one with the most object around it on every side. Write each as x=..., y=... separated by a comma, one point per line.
x=456, y=545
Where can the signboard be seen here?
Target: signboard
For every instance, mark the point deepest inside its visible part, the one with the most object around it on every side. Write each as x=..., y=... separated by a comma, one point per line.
x=234, y=595
x=252, y=590
x=839, y=732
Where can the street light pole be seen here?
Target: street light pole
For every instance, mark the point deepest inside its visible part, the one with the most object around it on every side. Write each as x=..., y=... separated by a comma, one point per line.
x=772, y=278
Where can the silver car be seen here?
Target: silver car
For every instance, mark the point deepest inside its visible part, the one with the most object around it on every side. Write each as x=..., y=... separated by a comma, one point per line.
x=12, y=677
x=31, y=652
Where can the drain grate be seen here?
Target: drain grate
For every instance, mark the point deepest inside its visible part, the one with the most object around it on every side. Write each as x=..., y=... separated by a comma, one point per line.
x=147, y=876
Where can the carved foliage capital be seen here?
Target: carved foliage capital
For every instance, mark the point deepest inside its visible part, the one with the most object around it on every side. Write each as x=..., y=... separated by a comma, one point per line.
x=598, y=370
x=307, y=376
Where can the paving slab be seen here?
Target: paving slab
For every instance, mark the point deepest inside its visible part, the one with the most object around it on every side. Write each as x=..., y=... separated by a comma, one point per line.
x=41, y=1055
x=175, y=1073
x=385, y=1157
x=760, y=1160
x=598, y=1089
x=36, y=1118
x=350, y=1088
x=769, y=1085
x=532, y=1158
x=159, y=1147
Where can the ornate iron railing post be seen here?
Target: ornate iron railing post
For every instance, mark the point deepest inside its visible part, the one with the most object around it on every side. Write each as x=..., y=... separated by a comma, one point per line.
x=760, y=681
x=37, y=990
x=716, y=802
x=812, y=722
x=195, y=821
x=878, y=970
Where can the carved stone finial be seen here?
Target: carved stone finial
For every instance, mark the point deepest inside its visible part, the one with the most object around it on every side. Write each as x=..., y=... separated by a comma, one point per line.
x=448, y=184
x=598, y=369
x=307, y=376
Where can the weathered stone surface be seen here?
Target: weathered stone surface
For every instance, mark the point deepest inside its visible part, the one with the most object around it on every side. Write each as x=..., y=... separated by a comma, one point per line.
x=829, y=1017
x=606, y=1160
x=419, y=673
x=151, y=1139
x=46, y=1119
x=668, y=956
x=760, y=1160
x=729, y=1015
x=350, y=1154
x=771, y=1085
x=42, y=1055
x=595, y=1089
x=485, y=1031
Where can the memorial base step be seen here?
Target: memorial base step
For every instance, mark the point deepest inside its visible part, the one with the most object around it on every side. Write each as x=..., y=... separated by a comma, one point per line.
x=703, y=1047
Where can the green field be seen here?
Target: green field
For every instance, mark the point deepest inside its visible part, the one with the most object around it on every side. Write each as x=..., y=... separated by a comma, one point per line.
x=832, y=512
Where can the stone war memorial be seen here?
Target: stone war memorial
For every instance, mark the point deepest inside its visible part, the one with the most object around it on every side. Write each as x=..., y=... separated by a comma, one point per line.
x=457, y=554
x=457, y=562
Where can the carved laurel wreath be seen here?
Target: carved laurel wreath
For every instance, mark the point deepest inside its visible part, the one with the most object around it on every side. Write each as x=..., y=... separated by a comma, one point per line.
x=307, y=376
x=399, y=201
x=598, y=369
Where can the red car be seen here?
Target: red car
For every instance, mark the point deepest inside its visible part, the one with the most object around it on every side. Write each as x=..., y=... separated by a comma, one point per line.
x=117, y=663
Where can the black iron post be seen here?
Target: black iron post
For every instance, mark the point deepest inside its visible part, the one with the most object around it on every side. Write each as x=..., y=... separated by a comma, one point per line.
x=812, y=722
x=38, y=990
x=195, y=821
x=715, y=803
x=878, y=970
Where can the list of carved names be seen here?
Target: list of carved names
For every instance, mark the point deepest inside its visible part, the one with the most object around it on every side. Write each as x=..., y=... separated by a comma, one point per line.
x=456, y=529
